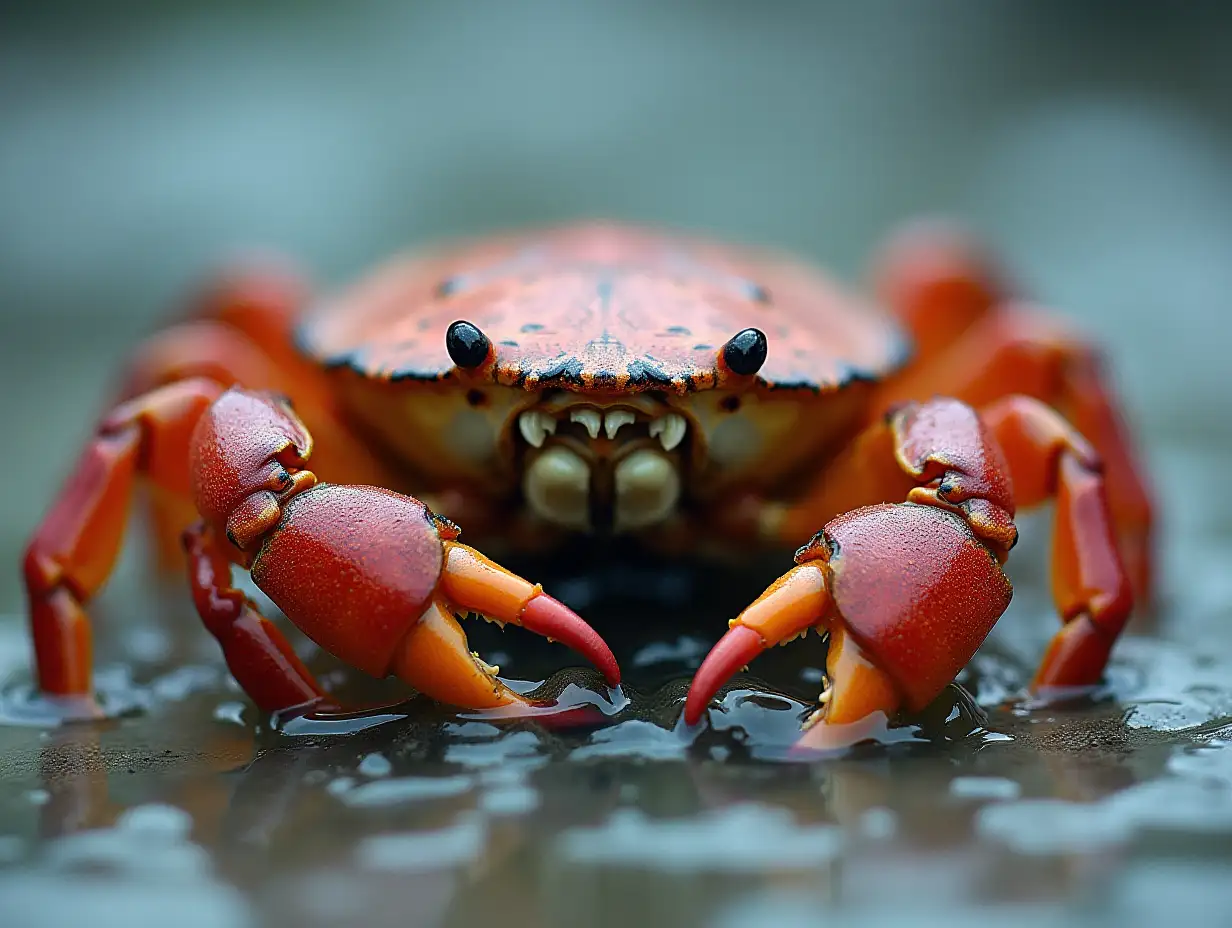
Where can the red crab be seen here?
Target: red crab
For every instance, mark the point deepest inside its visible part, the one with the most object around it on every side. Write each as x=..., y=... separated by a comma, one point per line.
x=600, y=378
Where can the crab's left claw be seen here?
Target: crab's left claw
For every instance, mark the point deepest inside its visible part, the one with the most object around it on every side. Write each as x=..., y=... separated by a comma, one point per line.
x=372, y=576
x=907, y=594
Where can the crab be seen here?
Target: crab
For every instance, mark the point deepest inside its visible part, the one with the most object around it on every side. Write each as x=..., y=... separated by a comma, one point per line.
x=598, y=379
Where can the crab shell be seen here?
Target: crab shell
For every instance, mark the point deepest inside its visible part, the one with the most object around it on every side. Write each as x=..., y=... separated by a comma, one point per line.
x=609, y=315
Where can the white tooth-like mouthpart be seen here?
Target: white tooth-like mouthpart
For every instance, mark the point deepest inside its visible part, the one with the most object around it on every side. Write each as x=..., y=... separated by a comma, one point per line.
x=589, y=418
x=557, y=487
x=647, y=488
x=535, y=425
x=615, y=419
x=670, y=429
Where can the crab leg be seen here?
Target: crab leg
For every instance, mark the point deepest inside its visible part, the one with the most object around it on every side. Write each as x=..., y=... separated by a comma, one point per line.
x=74, y=549
x=937, y=280
x=239, y=332
x=1091, y=587
x=257, y=653
x=977, y=343
x=1018, y=350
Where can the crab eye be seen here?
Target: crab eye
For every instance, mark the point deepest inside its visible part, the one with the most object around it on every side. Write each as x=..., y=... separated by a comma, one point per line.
x=467, y=346
x=745, y=352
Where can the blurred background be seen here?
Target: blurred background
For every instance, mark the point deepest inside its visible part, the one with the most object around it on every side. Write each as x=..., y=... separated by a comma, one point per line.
x=141, y=142
x=1089, y=142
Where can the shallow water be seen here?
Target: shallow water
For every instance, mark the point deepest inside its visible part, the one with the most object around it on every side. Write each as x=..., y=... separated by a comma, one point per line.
x=143, y=142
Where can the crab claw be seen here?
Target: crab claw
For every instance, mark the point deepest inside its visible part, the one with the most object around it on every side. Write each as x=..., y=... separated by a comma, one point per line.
x=797, y=601
x=907, y=594
x=434, y=656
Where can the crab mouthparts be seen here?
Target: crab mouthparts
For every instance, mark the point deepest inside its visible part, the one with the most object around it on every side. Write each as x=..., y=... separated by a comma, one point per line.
x=589, y=468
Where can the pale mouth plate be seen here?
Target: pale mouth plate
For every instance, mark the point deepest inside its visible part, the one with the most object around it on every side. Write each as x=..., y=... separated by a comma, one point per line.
x=589, y=466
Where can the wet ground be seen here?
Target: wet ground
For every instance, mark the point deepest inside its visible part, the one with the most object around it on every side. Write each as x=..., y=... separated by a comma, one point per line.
x=191, y=806
x=140, y=145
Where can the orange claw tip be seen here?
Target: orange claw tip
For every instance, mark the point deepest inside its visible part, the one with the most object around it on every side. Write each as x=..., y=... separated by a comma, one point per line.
x=735, y=649
x=545, y=615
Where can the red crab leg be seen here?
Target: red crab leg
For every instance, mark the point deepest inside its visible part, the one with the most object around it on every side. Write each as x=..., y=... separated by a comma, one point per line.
x=1020, y=350
x=1048, y=458
x=74, y=549
x=975, y=343
x=239, y=332
x=938, y=281
x=257, y=653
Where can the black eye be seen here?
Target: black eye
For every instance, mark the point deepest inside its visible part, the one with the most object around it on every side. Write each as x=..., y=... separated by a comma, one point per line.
x=745, y=352
x=467, y=345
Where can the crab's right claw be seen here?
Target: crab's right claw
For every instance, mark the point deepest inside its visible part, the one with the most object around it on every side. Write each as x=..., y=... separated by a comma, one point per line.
x=797, y=601
x=907, y=594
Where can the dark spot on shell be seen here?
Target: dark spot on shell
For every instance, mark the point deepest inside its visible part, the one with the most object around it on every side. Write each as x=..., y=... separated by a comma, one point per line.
x=449, y=286
x=641, y=373
x=567, y=370
x=509, y=342
x=745, y=352
x=678, y=330
x=729, y=403
x=703, y=347
x=532, y=327
x=467, y=346
x=476, y=397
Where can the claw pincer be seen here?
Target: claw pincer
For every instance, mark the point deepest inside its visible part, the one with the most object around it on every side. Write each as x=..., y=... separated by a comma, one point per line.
x=907, y=593
x=372, y=576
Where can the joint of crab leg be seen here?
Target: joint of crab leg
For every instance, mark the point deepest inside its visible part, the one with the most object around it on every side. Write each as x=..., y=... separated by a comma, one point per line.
x=472, y=582
x=796, y=602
